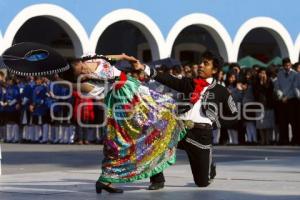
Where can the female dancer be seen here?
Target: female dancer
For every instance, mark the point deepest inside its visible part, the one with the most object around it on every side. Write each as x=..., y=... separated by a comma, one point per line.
x=142, y=130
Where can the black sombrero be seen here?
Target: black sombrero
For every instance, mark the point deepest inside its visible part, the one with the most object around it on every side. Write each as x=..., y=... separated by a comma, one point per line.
x=33, y=59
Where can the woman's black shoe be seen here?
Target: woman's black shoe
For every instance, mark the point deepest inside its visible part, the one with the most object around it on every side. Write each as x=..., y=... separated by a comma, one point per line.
x=100, y=186
x=156, y=186
x=213, y=171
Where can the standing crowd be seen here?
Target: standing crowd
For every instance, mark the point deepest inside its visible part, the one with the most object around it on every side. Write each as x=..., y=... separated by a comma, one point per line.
x=268, y=101
x=36, y=110
x=28, y=114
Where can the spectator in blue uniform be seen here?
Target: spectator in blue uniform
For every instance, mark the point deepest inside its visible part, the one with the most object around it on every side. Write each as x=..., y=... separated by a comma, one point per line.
x=39, y=110
x=12, y=109
x=26, y=99
x=2, y=102
x=62, y=131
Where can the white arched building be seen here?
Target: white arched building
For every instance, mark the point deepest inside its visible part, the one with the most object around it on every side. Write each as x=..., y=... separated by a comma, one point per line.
x=85, y=25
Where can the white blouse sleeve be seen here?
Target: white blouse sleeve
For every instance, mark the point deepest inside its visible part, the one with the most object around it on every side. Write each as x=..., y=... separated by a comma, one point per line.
x=116, y=71
x=97, y=92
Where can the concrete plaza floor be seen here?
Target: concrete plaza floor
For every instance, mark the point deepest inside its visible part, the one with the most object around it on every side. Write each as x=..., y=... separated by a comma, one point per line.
x=69, y=172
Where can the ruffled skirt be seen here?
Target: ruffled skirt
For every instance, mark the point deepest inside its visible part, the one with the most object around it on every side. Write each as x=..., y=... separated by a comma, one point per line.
x=142, y=132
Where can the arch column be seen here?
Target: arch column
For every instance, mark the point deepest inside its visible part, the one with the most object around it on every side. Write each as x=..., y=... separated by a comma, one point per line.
x=60, y=15
x=146, y=25
x=297, y=48
x=1, y=43
x=274, y=27
x=212, y=25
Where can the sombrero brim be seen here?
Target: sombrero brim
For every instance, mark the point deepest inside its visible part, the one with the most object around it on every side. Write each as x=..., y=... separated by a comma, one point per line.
x=33, y=59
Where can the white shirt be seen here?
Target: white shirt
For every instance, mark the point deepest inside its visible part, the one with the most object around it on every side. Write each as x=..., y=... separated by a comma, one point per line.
x=195, y=114
x=100, y=90
x=111, y=73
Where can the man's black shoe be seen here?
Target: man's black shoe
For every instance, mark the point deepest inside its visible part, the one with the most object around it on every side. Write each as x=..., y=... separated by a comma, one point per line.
x=213, y=171
x=156, y=186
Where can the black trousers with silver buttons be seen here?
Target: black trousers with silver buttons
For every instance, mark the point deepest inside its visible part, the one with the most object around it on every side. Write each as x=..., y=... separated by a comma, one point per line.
x=198, y=146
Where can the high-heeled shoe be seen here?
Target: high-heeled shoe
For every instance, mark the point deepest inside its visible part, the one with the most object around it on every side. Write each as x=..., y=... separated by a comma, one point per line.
x=107, y=188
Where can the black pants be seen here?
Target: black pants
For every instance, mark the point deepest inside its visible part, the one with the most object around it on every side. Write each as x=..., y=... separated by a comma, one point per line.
x=197, y=145
x=287, y=115
x=223, y=136
x=296, y=135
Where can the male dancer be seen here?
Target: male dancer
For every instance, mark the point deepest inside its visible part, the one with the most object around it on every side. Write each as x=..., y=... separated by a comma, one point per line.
x=208, y=105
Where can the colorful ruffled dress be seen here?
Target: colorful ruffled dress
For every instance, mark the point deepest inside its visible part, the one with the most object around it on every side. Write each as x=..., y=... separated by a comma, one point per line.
x=142, y=132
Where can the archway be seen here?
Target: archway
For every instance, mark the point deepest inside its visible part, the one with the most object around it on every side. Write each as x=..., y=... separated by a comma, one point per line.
x=46, y=31
x=211, y=27
x=131, y=17
x=261, y=44
x=124, y=37
x=191, y=43
x=61, y=16
x=268, y=26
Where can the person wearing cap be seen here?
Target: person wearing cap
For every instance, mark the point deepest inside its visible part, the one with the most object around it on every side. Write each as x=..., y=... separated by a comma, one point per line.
x=208, y=105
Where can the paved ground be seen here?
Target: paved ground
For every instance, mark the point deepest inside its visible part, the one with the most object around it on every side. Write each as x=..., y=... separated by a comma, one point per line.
x=69, y=172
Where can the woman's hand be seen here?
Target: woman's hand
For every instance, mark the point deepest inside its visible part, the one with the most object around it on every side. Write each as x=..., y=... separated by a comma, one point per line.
x=138, y=65
x=122, y=57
